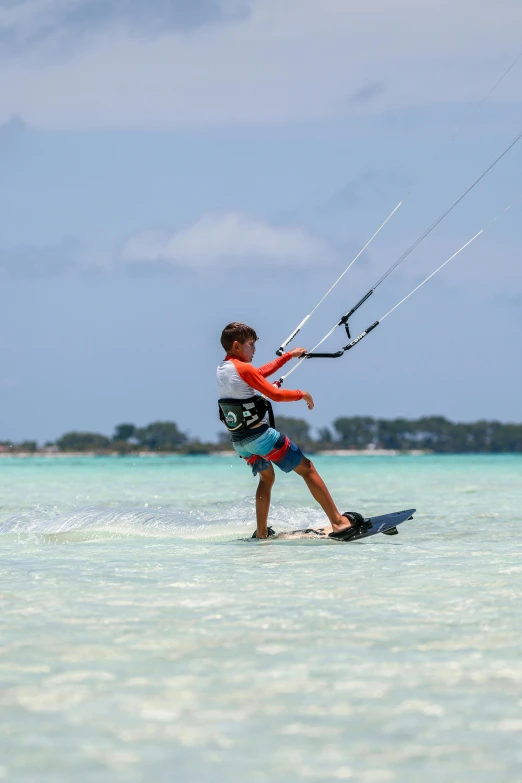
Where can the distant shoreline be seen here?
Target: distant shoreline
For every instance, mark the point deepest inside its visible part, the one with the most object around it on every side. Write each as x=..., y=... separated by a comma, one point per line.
x=347, y=437
x=226, y=454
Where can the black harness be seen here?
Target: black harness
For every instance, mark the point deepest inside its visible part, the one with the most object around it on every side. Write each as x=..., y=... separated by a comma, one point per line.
x=242, y=415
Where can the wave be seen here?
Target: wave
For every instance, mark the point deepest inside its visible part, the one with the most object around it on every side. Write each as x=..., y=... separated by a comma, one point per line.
x=95, y=522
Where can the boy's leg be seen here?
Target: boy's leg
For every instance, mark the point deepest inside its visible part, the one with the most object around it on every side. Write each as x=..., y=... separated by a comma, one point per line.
x=263, y=493
x=320, y=492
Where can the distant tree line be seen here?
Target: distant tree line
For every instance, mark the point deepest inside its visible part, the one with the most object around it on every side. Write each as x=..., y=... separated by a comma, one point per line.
x=158, y=436
x=431, y=433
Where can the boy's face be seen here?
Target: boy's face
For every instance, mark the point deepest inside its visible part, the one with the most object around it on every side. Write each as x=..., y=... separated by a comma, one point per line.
x=244, y=351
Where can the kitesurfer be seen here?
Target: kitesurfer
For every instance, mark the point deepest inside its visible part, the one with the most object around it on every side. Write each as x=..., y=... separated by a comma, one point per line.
x=249, y=419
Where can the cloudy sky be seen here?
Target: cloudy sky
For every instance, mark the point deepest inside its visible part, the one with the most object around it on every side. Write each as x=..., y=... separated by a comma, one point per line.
x=171, y=165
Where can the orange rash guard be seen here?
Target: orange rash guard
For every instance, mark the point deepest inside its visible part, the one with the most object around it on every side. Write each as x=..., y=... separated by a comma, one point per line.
x=240, y=380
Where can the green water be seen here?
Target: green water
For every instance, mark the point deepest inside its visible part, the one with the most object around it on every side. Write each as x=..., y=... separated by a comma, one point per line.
x=139, y=638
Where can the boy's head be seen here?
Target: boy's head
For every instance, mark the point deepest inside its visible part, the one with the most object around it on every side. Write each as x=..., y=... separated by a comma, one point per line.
x=239, y=340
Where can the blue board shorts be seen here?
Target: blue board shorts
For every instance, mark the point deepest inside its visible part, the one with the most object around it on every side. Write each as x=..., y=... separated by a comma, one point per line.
x=269, y=446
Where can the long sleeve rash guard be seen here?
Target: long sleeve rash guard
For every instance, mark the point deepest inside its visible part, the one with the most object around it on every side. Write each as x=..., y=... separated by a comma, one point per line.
x=240, y=380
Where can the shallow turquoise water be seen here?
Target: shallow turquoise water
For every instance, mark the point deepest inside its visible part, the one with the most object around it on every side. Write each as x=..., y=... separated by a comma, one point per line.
x=140, y=639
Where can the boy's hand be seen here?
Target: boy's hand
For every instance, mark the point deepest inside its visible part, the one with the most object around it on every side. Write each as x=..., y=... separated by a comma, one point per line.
x=296, y=353
x=309, y=401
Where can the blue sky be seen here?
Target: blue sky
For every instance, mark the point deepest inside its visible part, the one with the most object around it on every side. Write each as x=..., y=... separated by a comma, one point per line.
x=169, y=167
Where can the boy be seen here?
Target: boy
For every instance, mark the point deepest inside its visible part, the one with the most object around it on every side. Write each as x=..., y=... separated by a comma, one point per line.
x=243, y=411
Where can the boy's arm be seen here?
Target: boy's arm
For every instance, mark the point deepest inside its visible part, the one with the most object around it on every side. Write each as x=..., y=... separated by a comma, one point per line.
x=272, y=367
x=253, y=377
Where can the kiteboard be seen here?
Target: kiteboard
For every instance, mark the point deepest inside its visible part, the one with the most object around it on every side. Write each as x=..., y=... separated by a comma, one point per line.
x=385, y=523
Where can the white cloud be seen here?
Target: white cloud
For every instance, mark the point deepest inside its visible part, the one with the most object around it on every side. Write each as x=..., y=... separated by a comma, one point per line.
x=226, y=238
x=287, y=61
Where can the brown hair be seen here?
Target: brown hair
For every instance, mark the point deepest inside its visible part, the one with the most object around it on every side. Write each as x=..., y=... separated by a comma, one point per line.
x=236, y=331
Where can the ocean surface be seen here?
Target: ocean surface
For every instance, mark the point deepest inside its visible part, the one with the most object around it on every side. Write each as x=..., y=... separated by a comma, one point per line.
x=142, y=640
